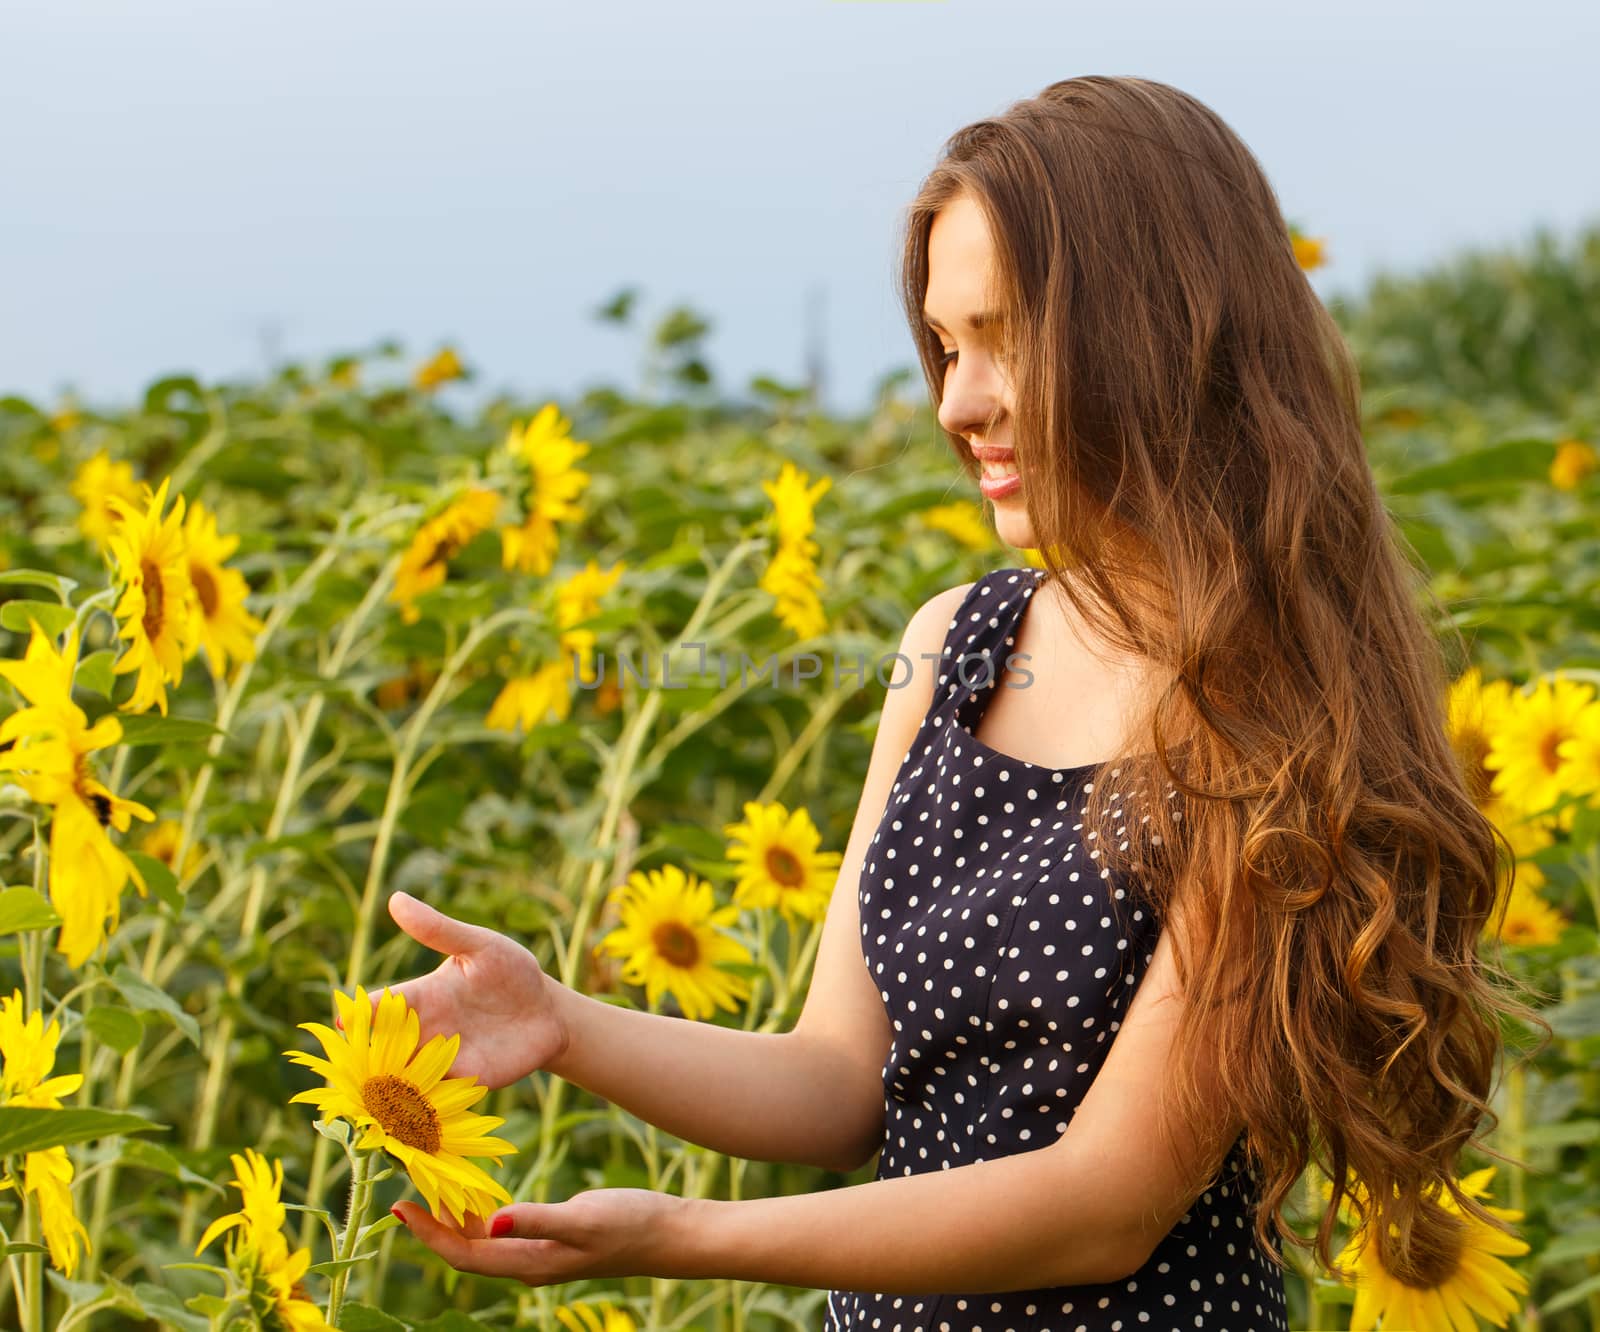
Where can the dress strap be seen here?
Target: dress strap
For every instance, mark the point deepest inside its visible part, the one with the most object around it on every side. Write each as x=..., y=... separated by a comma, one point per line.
x=981, y=635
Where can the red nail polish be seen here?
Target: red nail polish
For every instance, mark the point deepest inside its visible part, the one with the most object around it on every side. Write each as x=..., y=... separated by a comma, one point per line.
x=398, y=1215
x=501, y=1225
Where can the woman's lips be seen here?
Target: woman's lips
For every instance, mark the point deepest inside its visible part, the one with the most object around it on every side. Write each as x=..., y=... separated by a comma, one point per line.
x=998, y=487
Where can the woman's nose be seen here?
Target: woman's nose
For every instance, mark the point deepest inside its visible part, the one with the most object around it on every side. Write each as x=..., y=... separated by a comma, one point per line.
x=967, y=406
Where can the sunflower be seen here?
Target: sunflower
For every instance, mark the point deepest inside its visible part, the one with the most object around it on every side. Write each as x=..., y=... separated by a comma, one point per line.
x=96, y=481
x=791, y=576
x=964, y=521
x=226, y=627
x=1530, y=920
x=27, y=1057
x=1575, y=459
x=161, y=843
x=551, y=456
x=1526, y=836
x=791, y=579
x=159, y=610
x=426, y=559
x=381, y=1082
x=577, y=600
x=608, y=697
x=272, y=1277
x=398, y=690
x=1309, y=251
x=1581, y=752
x=1481, y=1282
x=440, y=368
x=669, y=940
x=1525, y=749
x=609, y=1319
x=794, y=496
x=49, y=748
x=528, y=700
x=1475, y=711
x=780, y=863
x=44, y=676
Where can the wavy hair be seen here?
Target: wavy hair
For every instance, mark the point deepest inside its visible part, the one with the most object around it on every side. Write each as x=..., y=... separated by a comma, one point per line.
x=1188, y=419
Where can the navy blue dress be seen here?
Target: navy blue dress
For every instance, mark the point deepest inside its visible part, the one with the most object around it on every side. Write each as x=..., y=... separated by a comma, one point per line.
x=1005, y=955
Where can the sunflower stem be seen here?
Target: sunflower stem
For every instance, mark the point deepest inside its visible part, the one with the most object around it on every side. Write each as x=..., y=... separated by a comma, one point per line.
x=360, y=1202
x=31, y=955
x=1314, y=1206
x=127, y=1077
x=616, y=781
x=393, y=804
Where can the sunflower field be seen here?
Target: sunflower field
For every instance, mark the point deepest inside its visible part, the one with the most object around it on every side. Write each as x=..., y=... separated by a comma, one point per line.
x=604, y=675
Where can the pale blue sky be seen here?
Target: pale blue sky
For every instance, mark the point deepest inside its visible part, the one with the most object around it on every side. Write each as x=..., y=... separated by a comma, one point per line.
x=189, y=184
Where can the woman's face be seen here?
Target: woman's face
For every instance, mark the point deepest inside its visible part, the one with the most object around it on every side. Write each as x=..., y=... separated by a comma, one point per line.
x=978, y=400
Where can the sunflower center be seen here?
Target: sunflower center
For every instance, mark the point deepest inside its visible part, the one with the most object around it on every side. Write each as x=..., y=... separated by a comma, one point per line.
x=443, y=549
x=785, y=867
x=402, y=1112
x=1475, y=755
x=1547, y=751
x=676, y=943
x=205, y=587
x=82, y=783
x=154, y=598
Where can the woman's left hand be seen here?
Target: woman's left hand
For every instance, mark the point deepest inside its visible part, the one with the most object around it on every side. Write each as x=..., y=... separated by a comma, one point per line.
x=597, y=1233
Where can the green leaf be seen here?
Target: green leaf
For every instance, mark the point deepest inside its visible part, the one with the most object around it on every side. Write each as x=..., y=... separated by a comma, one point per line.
x=1515, y=460
x=388, y=1221
x=1575, y=1019
x=1569, y=1246
x=209, y=1305
x=116, y=1027
x=144, y=997
x=336, y=1129
x=163, y=1306
x=159, y=878
x=8, y=1250
x=452, y=1320
x=336, y=1265
x=53, y=619
x=364, y=1318
x=39, y=578
x=196, y=1267
x=25, y=1129
x=95, y=672
x=1568, y=1133
x=148, y=729
x=22, y=908
x=1570, y=1296
x=144, y=1154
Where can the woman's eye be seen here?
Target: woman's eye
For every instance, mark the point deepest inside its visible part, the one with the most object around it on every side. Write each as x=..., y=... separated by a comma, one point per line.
x=947, y=358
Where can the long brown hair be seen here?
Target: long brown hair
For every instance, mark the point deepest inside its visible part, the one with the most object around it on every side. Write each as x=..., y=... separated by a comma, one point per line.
x=1188, y=427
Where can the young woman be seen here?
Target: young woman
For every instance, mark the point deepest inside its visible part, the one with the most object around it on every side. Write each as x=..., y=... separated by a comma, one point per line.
x=1192, y=900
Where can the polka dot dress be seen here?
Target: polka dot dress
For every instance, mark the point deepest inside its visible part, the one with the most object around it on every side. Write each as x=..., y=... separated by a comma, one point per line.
x=1005, y=955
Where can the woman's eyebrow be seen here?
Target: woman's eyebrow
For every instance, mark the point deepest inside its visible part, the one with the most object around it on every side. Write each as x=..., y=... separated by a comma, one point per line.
x=980, y=321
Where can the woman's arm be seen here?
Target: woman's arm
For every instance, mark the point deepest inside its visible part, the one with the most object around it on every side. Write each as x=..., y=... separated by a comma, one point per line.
x=763, y=1096
x=813, y=1095
x=1090, y=1207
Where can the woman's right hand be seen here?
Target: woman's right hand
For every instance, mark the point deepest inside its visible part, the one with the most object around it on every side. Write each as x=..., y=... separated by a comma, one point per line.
x=489, y=989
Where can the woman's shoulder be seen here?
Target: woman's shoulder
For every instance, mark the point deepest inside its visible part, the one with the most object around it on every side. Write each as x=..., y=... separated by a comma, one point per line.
x=928, y=630
x=939, y=610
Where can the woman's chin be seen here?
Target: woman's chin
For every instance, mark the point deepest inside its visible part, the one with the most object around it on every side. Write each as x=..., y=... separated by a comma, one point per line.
x=1012, y=526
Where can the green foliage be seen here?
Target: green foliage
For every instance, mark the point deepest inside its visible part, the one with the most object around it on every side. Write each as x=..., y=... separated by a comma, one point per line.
x=352, y=756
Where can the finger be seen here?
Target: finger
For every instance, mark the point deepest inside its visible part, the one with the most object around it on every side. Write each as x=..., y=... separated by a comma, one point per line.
x=525, y=1221
x=433, y=929
x=487, y=1257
